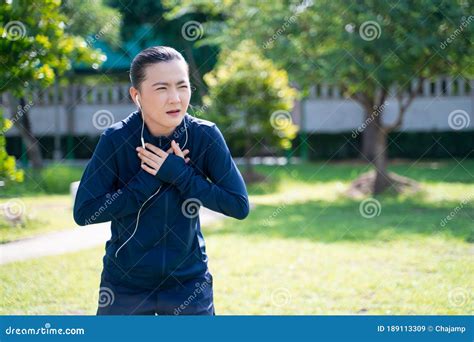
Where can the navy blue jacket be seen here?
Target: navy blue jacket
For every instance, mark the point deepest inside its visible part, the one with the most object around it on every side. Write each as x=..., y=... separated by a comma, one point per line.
x=168, y=243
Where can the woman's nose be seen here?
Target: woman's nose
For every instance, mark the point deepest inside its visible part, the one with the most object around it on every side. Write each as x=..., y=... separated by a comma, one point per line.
x=174, y=97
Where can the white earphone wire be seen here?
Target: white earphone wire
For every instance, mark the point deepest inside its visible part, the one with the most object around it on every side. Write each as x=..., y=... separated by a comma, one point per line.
x=157, y=191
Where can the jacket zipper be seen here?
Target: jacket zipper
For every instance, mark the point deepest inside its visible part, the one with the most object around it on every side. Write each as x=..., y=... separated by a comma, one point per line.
x=163, y=260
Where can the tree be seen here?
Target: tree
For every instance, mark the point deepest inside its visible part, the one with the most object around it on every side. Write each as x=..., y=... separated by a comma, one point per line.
x=251, y=99
x=35, y=49
x=371, y=49
x=148, y=24
x=93, y=20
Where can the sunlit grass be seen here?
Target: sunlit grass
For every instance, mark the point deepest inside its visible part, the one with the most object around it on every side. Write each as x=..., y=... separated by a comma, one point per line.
x=306, y=249
x=41, y=214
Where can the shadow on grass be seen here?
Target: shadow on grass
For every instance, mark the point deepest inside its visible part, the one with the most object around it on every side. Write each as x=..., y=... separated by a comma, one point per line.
x=56, y=178
x=446, y=171
x=342, y=221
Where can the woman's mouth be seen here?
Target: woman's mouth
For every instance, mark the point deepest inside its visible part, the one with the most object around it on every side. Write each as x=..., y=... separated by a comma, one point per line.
x=174, y=112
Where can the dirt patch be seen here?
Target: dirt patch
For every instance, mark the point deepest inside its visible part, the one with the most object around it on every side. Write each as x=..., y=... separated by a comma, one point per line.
x=364, y=185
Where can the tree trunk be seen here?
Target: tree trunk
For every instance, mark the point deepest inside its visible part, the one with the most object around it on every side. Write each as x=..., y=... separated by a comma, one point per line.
x=23, y=124
x=248, y=146
x=382, y=180
x=368, y=138
x=247, y=157
x=57, y=133
x=70, y=109
x=368, y=130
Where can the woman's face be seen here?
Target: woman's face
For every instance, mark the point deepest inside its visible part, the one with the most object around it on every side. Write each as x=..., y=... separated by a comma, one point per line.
x=165, y=93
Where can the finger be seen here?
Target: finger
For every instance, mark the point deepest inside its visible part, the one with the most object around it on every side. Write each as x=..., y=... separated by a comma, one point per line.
x=149, y=161
x=185, y=152
x=186, y=160
x=170, y=150
x=158, y=151
x=149, y=169
x=176, y=149
x=153, y=155
x=150, y=155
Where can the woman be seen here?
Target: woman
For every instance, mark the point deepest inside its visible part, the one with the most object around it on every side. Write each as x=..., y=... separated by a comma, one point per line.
x=149, y=175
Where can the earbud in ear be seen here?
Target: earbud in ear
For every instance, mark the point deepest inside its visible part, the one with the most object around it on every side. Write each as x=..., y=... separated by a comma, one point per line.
x=143, y=124
x=138, y=102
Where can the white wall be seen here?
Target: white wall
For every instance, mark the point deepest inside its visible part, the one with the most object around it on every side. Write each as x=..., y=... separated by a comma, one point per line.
x=325, y=110
x=424, y=114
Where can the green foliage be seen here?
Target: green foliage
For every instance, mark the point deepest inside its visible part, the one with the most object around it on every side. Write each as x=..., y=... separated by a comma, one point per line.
x=361, y=45
x=93, y=19
x=8, y=171
x=53, y=179
x=245, y=89
x=35, y=46
x=146, y=23
x=56, y=179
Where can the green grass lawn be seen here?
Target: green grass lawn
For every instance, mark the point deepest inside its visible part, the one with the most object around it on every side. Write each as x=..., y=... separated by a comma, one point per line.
x=44, y=198
x=306, y=249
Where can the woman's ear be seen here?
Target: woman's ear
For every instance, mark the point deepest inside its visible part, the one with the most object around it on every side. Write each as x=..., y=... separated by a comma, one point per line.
x=135, y=96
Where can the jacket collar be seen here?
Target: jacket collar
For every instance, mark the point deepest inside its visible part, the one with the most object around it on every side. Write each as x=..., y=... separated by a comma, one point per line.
x=164, y=142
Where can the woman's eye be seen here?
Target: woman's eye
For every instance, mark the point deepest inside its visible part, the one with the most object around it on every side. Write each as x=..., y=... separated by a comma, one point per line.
x=162, y=88
x=184, y=86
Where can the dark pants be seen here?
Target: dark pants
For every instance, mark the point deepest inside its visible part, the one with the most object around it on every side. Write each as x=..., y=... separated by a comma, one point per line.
x=193, y=297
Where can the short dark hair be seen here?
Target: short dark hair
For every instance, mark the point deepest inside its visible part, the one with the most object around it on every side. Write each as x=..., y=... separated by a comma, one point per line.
x=149, y=56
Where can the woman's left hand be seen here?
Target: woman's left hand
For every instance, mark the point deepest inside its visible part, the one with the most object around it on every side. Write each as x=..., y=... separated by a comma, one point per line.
x=153, y=159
